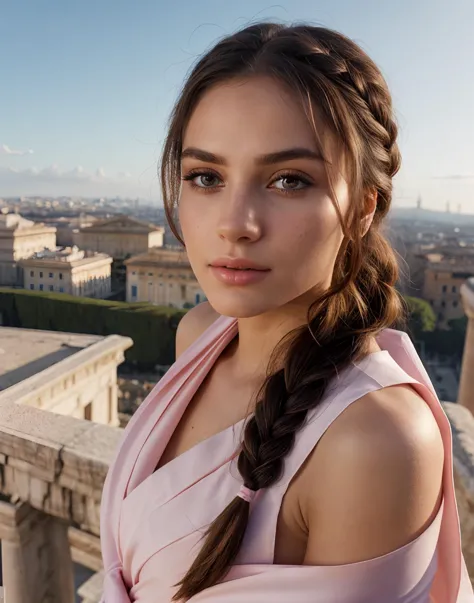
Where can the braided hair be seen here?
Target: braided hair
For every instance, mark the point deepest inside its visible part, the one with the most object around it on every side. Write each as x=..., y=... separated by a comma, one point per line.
x=335, y=79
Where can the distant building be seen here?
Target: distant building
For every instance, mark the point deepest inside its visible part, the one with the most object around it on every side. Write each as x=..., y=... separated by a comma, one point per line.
x=162, y=277
x=69, y=270
x=120, y=237
x=19, y=239
x=442, y=287
x=466, y=385
x=67, y=227
x=69, y=374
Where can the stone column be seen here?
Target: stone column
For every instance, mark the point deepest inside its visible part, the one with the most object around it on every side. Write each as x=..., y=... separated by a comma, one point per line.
x=466, y=385
x=36, y=558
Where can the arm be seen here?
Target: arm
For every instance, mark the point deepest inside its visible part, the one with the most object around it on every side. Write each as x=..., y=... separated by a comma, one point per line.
x=373, y=484
x=193, y=324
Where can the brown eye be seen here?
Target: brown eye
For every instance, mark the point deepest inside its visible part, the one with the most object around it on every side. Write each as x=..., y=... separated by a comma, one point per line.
x=290, y=183
x=206, y=180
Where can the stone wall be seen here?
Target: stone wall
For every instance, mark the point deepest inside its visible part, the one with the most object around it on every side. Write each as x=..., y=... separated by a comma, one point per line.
x=462, y=424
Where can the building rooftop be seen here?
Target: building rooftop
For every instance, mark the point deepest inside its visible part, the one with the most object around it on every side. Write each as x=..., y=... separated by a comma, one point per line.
x=68, y=255
x=24, y=352
x=160, y=257
x=122, y=224
x=12, y=221
x=461, y=270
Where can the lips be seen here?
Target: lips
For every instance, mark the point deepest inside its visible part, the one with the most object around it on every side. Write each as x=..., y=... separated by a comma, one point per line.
x=238, y=272
x=238, y=264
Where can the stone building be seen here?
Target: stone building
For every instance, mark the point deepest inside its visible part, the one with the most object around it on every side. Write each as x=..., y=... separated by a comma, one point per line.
x=162, y=277
x=66, y=227
x=466, y=385
x=442, y=288
x=69, y=270
x=69, y=374
x=120, y=237
x=19, y=239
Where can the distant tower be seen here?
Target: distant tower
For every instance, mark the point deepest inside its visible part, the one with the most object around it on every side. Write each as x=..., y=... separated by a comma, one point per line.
x=418, y=202
x=459, y=208
x=448, y=207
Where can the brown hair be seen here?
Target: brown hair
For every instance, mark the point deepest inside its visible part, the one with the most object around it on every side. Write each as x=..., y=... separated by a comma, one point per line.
x=336, y=80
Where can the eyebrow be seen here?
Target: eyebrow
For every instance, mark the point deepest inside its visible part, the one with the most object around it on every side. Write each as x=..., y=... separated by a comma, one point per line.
x=267, y=159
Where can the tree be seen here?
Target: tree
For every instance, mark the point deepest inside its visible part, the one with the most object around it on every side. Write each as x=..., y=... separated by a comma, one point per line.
x=421, y=318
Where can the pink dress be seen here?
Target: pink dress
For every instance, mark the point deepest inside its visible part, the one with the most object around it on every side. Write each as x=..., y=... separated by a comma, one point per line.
x=152, y=521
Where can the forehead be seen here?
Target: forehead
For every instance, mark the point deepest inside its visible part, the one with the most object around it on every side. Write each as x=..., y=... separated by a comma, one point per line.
x=253, y=116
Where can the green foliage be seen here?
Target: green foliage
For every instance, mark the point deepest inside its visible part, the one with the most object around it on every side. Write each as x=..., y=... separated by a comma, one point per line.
x=152, y=328
x=421, y=317
x=458, y=325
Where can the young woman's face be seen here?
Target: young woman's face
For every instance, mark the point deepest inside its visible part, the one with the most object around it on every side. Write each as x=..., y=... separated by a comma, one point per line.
x=258, y=222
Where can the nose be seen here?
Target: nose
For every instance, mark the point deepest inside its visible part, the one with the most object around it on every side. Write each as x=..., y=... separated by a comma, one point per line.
x=239, y=220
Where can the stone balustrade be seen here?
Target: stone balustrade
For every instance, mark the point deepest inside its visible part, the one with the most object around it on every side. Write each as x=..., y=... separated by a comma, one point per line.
x=52, y=470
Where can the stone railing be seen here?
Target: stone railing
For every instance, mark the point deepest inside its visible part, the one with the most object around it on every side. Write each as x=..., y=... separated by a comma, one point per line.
x=52, y=470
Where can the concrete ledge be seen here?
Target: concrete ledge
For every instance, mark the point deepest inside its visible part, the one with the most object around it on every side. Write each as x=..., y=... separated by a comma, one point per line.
x=55, y=463
x=91, y=590
x=462, y=425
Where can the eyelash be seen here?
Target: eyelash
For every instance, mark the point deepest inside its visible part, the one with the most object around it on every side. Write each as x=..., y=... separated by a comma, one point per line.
x=189, y=177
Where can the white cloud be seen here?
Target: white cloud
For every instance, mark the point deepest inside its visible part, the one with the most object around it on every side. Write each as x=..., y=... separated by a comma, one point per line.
x=54, y=181
x=6, y=150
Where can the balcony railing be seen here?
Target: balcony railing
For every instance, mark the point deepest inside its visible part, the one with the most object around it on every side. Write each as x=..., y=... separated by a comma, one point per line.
x=52, y=470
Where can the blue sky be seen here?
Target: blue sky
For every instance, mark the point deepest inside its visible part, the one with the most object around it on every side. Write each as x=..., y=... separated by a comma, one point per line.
x=87, y=86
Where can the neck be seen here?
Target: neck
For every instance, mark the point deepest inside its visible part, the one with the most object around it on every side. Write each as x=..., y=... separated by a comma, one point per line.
x=258, y=338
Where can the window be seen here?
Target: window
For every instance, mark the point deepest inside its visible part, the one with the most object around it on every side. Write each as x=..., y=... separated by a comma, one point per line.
x=50, y=275
x=445, y=288
x=32, y=273
x=453, y=289
x=443, y=304
x=41, y=287
x=455, y=304
x=134, y=291
x=150, y=274
x=61, y=289
x=60, y=276
x=198, y=298
x=88, y=412
x=134, y=272
x=32, y=286
x=51, y=287
x=41, y=275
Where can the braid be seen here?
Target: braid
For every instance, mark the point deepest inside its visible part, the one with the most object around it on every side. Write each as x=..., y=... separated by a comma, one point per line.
x=338, y=79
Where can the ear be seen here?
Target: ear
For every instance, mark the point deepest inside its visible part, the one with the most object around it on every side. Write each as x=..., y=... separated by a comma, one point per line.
x=370, y=209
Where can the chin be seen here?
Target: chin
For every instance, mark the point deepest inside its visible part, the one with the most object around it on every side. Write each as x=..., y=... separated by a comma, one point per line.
x=241, y=305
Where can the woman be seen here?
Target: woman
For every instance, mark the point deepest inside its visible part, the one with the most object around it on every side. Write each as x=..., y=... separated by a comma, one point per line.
x=296, y=450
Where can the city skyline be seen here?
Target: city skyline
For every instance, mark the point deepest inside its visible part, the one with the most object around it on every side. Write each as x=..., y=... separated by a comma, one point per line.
x=91, y=88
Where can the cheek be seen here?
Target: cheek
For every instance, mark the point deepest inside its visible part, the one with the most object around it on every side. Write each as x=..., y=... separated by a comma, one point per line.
x=316, y=233
x=192, y=221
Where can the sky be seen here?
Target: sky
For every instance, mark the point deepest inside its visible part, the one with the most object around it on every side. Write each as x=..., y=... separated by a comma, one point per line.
x=86, y=87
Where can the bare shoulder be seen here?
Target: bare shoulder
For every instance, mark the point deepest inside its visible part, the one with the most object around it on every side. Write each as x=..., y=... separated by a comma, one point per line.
x=378, y=471
x=193, y=324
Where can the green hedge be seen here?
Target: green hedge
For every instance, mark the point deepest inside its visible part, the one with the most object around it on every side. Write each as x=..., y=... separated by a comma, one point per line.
x=152, y=328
